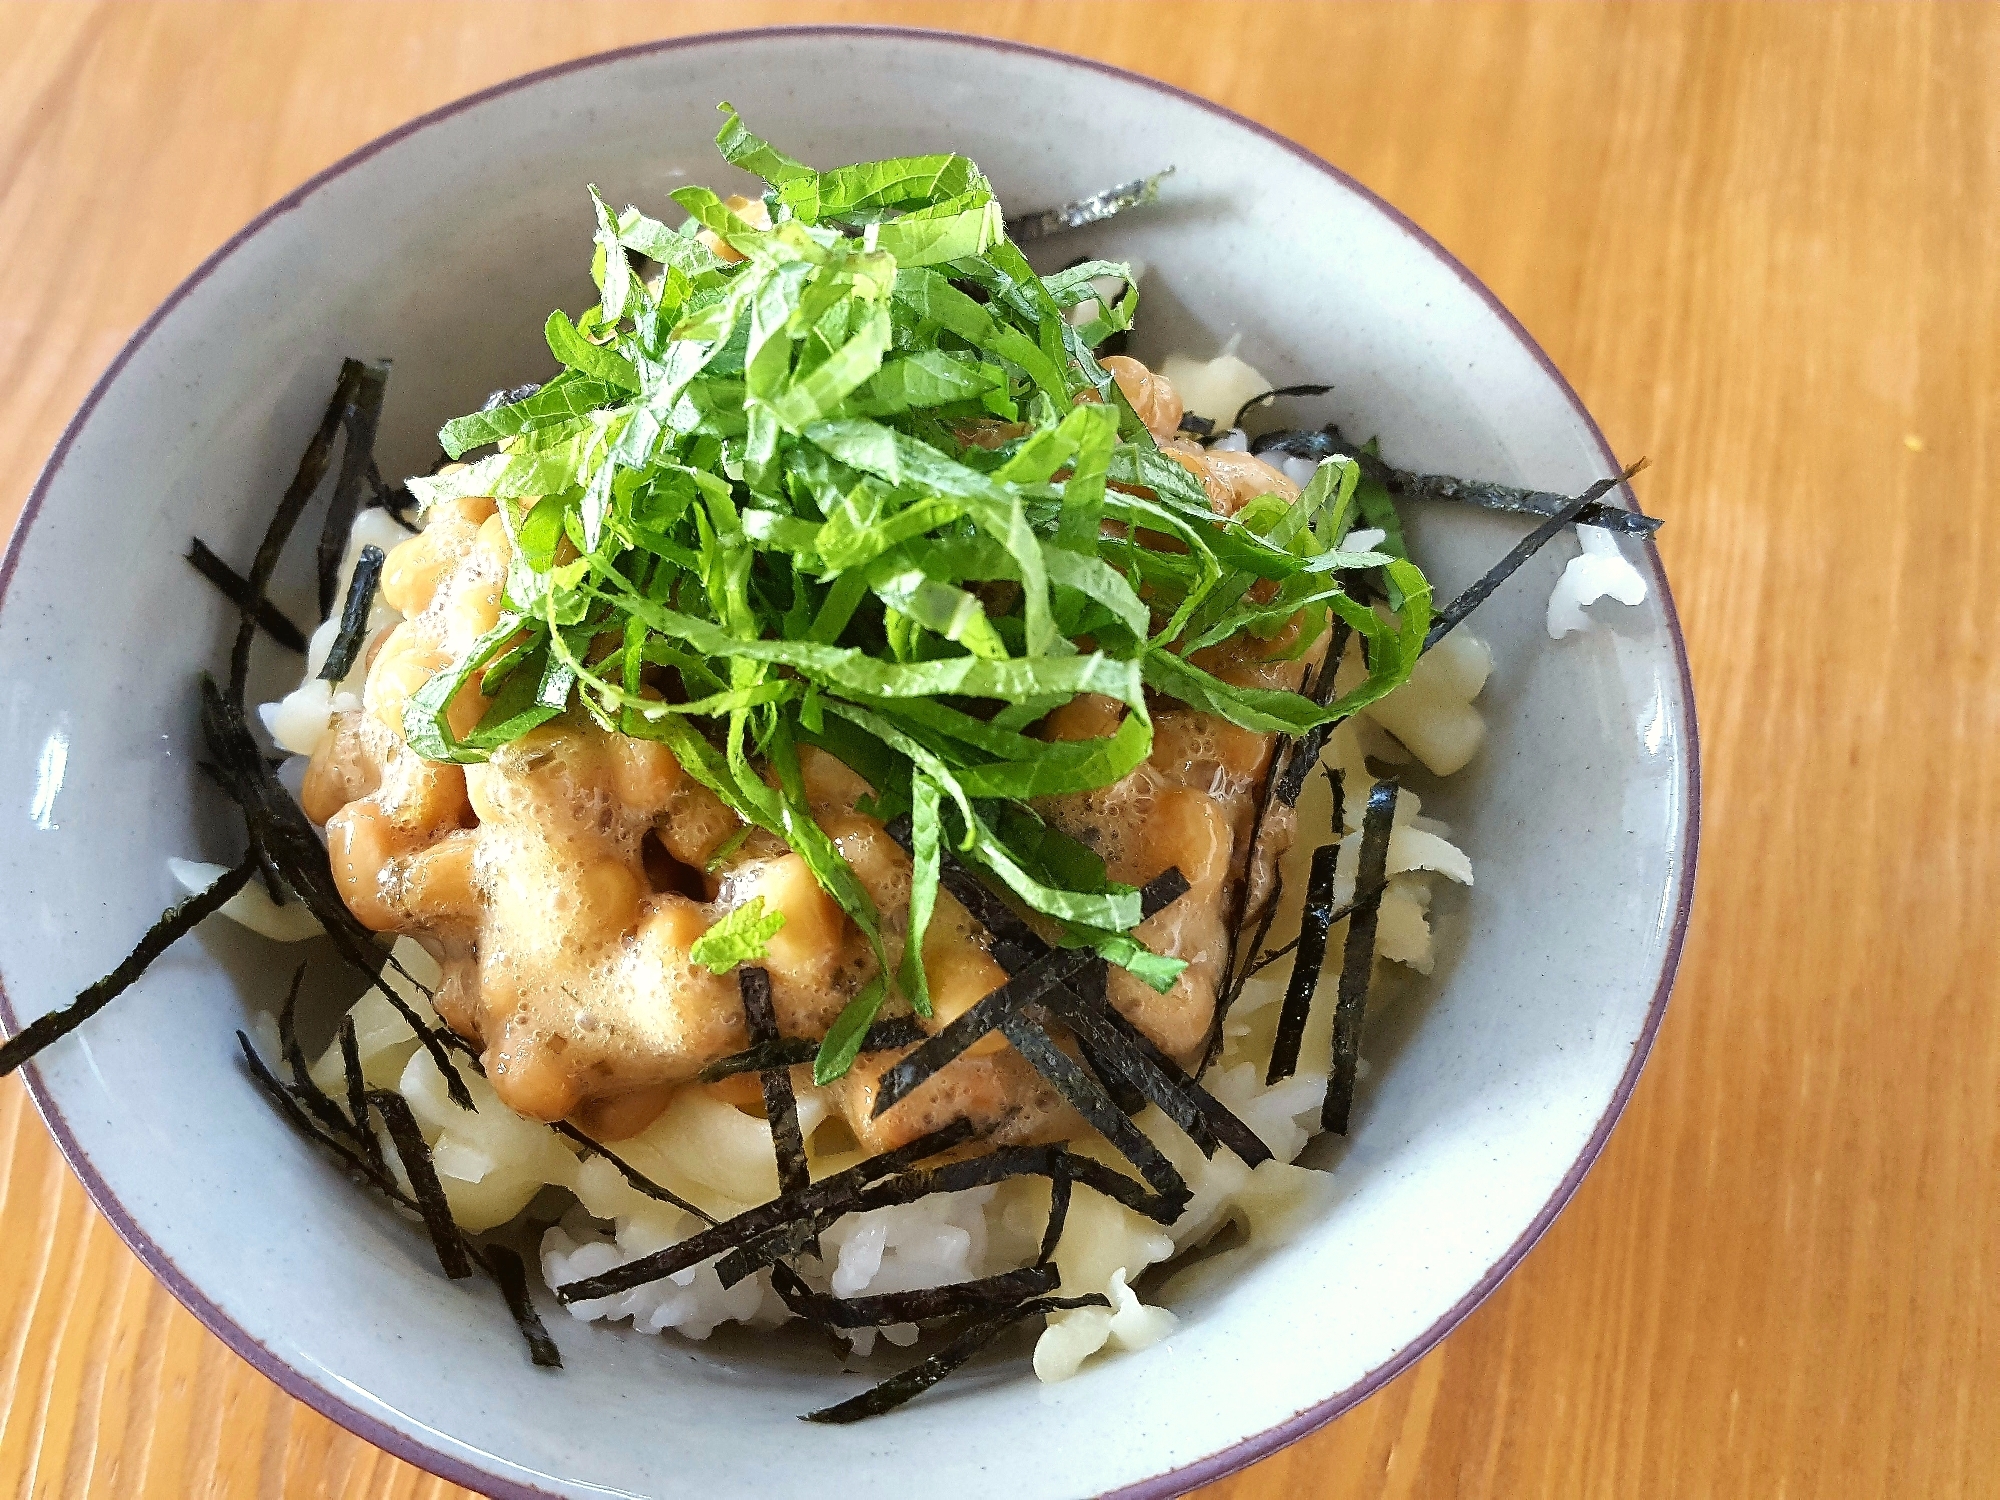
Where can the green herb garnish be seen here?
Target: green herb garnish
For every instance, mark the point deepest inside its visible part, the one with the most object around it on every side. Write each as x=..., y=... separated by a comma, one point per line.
x=854, y=480
x=740, y=937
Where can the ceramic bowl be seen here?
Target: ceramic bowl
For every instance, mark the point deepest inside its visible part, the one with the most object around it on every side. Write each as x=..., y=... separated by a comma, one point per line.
x=443, y=245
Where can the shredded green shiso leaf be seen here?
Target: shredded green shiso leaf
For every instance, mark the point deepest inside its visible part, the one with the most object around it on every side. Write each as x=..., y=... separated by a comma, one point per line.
x=868, y=488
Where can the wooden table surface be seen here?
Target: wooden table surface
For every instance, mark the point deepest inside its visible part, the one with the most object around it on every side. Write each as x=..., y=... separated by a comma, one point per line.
x=1764, y=243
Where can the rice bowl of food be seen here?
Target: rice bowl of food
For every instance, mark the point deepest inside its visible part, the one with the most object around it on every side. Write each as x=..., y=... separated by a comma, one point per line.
x=911, y=768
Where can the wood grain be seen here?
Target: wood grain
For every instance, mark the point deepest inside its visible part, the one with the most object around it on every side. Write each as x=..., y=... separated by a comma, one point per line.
x=1764, y=243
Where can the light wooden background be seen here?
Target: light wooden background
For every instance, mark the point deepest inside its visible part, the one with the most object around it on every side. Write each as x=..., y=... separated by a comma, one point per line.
x=1765, y=245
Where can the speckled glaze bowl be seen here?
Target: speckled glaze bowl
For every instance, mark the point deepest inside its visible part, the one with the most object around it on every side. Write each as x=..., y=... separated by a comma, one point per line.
x=443, y=245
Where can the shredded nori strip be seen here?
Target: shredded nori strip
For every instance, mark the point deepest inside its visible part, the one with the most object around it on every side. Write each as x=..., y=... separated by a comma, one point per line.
x=1357, y=962
x=1484, y=493
x=234, y=587
x=1162, y=891
x=505, y=1267
x=634, y=1178
x=754, y=1223
x=1278, y=781
x=1313, y=928
x=289, y=1106
x=396, y=499
x=919, y=1378
x=926, y=1305
x=422, y=1172
x=357, y=1090
x=891, y=1035
x=1089, y=1100
x=1061, y=1186
x=919, y=1066
x=1527, y=547
x=1275, y=393
x=780, y=1108
x=1014, y=943
x=1054, y=967
x=308, y=1093
x=1207, y=1121
x=360, y=416
x=174, y=924
x=1194, y=426
x=1023, y=228
x=346, y=648
x=493, y=1259
x=1020, y=1161
x=1127, y=1096
x=312, y=469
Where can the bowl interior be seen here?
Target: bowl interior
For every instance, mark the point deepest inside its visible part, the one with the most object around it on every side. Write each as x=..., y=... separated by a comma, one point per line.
x=444, y=247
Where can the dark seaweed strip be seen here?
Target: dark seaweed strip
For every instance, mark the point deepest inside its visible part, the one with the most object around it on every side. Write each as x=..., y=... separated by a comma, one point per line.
x=769, y=1249
x=792, y=1208
x=1087, y=1099
x=780, y=1108
x=308, y=1093
x=1015, y=944
x=1504, y=497
x=1114, y=1057
x=1167, y=1084
x=174, y=924
x=891, y=1035
x=793, y=1236
x=274, y=883
x=919, y=1066
x=1274, y=394
x=1292, y=785
x=1022, y=1161
x=347, y=644
x=415, y=1155
x=357, y=1090
x=395, y=499
x=1240, y=970
x=634, y=1178
x=1357, y=962
x=296, y=1112
x=1197, y=427
x=1328, y=441
x=1054, y=968
x=234, y=587
x=278, y=824
x=1313, y=928
x=799, y=1297
x=986, y=1295
x=312, y=469
x=957, y=1176
x=500, y=1263
x=1089, y=989
x=1524, y=549
x=508, y=1273
x=1060, y=1188
x=1340, y=914
x=1039, y=224
x=1264, y=921
x=1162, y=891
x=913, y=1382
x=1284, y=756
x=360, y=416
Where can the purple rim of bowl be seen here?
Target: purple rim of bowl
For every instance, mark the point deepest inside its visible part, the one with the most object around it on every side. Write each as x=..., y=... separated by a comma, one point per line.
x=1160, y=1486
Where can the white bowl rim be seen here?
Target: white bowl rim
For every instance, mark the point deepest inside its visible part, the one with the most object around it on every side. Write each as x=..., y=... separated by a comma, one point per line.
x=1188, y=1476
